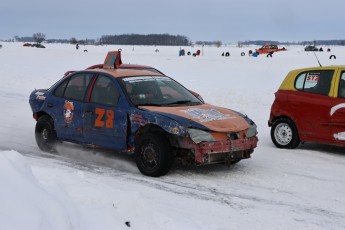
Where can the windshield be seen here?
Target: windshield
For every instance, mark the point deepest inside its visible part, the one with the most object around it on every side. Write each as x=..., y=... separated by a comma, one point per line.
x=157, y=91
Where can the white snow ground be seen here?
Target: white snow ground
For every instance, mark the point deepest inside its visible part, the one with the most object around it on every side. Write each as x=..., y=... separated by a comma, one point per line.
x=86, y=189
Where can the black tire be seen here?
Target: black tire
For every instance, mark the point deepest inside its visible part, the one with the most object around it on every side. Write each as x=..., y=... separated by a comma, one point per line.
x=153, y=155
x=284, y=134
x=235, y=161
x=45, y=134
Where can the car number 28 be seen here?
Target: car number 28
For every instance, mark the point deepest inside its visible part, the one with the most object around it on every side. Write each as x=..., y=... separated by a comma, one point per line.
x=104, y=117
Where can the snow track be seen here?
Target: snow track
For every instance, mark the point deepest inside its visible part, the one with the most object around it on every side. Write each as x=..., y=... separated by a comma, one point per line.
x=188, y=182
x=275, y=189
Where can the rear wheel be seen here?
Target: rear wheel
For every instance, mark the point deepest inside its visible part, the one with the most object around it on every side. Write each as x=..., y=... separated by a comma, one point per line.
x=153, y=155
x=284, y=134
x=45, y=134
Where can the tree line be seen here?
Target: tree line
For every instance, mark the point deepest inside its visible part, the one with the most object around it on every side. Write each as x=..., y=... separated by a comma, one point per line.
x=124, y=39
x=150, y=39
x=340, y=42
x=164, y=40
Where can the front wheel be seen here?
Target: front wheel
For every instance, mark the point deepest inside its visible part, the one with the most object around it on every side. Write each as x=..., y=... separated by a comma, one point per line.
x=284, y=134
x=153, y=155
x=45, y=134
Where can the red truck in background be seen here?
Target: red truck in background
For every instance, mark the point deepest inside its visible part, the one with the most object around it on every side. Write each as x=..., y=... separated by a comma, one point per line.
x=269, y=48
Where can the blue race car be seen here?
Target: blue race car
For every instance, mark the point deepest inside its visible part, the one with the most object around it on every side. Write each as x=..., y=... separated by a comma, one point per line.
x=140, y=112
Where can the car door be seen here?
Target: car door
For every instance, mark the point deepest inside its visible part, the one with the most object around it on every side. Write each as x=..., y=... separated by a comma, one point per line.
x=311, y=104
x=105, y=121
x=338, y=111
x=68, y=107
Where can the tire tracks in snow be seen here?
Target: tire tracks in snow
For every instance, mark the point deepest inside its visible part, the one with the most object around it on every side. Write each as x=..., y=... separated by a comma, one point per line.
x=179, y=186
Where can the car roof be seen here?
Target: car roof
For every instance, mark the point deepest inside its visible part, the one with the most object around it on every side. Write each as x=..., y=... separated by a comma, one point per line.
x=123, y=66
x=289, y=80
x=117, y=73
x=320, y=68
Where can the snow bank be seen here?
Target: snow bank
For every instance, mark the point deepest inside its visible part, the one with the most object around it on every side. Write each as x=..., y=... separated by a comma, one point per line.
x=29, y=205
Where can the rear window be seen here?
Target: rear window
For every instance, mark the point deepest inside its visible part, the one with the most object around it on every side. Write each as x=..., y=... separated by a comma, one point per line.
x=318, y=82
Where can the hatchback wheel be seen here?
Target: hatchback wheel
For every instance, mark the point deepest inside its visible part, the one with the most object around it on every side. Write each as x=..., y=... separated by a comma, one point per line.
x=284, y=134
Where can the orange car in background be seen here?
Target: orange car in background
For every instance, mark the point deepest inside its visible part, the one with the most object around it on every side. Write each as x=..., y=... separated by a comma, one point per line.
x=269, y=48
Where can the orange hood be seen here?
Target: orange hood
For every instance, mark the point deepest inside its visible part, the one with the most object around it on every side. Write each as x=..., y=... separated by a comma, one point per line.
x=215, y=118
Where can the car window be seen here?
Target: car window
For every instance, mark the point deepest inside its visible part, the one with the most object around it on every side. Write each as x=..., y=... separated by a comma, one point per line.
x=318, y=82
x=104, y=92
x=77, y=86
x=341, y=90
x=59, y=91
x=156, y=90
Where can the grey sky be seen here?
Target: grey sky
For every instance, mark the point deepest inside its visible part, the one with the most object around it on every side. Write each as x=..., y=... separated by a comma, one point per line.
x=225, y=20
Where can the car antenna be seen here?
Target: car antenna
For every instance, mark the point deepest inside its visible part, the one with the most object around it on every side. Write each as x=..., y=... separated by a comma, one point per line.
x=317, y=59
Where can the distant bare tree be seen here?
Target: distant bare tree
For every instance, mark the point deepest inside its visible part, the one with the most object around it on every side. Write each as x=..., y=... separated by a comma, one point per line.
x=73, y=40
x=39, y=37
x=218, y=43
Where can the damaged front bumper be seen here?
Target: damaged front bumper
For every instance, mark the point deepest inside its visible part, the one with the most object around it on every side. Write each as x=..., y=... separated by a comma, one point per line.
x=224, y=151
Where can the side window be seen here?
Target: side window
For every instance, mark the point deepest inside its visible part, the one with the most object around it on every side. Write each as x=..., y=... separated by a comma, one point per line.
x=299, y=84
x=318, y=82
x=104, y=92
x=341, y=91
x=61, y=89
x=77, y=86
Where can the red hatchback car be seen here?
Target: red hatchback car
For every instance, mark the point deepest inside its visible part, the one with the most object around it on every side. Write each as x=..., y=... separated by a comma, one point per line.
x=310, y=106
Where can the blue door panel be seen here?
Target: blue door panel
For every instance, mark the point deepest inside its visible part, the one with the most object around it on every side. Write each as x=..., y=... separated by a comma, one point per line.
x=105, y=126
x=68, y=115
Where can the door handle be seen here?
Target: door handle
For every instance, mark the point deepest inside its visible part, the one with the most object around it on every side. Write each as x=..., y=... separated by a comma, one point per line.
x=50, y=104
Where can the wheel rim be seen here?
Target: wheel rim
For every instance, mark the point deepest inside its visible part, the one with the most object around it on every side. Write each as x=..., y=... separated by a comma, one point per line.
x=45, y=134
x=283, y=134
x=149, y=156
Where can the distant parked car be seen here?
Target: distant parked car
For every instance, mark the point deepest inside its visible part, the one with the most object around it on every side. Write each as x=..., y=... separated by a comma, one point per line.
x=38, y=45
x=309, y=106
x=27, y=45
x=269, y=48
x=0, y=46
x=311, y=48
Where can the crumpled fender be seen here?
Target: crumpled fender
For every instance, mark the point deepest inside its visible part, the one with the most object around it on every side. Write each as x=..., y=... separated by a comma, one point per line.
x=179, y=126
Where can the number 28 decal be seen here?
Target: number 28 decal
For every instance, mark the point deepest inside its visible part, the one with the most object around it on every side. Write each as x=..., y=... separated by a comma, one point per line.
x=104, y=117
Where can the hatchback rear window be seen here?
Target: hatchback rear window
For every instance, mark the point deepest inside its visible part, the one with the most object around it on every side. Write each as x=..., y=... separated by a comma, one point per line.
x=318, y=82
